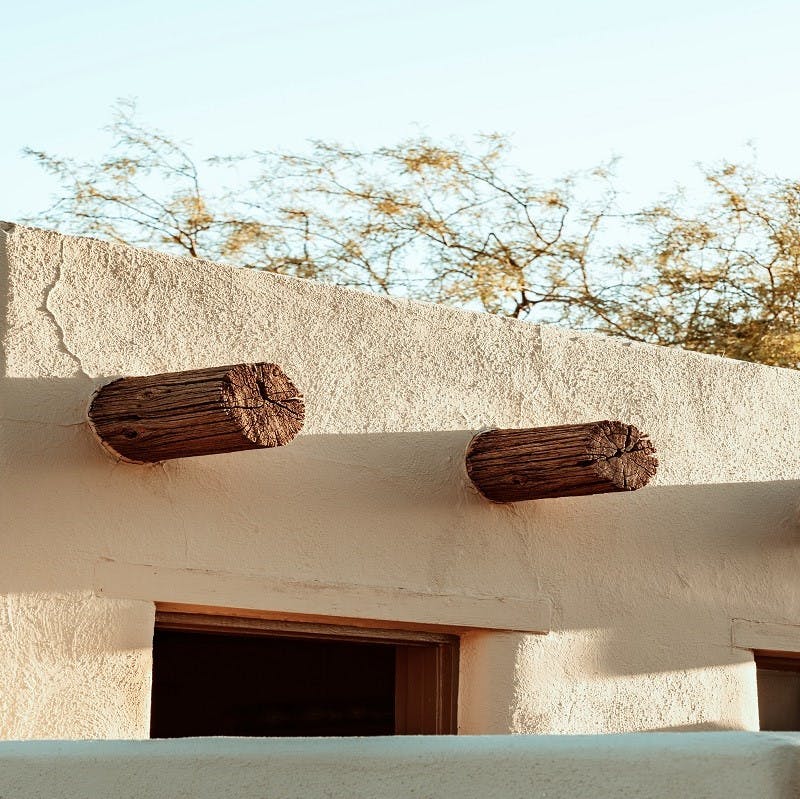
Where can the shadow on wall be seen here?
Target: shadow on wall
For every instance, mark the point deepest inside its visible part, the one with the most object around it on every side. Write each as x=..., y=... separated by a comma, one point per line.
x=705, y=726
x=397, y=510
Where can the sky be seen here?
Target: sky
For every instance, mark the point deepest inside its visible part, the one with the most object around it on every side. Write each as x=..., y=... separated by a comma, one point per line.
x=662, y=86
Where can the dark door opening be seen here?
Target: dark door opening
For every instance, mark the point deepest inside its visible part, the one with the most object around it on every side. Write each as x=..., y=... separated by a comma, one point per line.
x=217, y=675
x=778, y=680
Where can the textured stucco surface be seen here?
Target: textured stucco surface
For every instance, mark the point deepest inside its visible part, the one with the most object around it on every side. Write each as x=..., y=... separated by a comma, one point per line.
x=705, y=766
x=74, y=666
x=371, y=499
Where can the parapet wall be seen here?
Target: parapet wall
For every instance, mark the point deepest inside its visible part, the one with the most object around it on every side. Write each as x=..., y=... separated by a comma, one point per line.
x=714, y=766
x=597, y=614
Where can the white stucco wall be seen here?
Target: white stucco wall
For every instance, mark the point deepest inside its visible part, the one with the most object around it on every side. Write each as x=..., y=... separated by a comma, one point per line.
x=707, y=765
x=368, y=513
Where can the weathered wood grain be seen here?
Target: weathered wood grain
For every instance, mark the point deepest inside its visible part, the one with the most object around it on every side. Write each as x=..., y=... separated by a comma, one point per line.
x=561, y=461
x=197, y=412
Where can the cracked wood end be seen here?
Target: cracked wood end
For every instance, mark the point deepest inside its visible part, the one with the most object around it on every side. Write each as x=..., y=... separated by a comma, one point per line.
x=563, y=461
x=197, y=412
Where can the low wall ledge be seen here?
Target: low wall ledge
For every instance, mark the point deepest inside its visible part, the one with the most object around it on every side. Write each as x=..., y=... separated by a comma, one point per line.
x=648, y=766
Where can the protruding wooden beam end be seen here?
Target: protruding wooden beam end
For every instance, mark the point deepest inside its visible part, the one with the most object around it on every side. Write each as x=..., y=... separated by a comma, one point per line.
x=197, y=412
x=560, y=461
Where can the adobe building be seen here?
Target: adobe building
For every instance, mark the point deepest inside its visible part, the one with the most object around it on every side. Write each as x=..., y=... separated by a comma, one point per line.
x=354, y=581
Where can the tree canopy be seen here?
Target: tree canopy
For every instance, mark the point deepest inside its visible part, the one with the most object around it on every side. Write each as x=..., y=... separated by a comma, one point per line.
x=457, y=223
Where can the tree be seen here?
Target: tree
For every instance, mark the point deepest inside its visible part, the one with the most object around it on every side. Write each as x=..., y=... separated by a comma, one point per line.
x=723, y=278
x=458, y=224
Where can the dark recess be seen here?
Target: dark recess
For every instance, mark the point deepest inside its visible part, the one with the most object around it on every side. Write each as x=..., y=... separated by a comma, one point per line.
x=244, y=685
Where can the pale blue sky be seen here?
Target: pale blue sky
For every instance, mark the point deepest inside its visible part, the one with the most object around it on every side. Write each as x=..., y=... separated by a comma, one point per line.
x=661, y=84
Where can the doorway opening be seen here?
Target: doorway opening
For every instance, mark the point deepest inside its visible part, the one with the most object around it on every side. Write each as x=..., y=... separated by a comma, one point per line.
x=224, y=675
x=778, y=680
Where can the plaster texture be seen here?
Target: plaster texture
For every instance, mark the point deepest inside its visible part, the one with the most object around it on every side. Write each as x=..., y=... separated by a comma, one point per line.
x=706, y=766
x=369, y=513
x=74, y=666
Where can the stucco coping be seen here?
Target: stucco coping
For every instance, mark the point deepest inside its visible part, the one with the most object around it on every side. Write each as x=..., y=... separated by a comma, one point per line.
x=120, y=580
x=648, y=766
x=767, y=636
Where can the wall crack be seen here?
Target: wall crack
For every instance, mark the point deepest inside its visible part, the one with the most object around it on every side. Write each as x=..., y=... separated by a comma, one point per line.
x=48, y=311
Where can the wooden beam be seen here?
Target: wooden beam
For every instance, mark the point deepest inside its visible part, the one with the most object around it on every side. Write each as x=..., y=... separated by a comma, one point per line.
x=197, y=412
x=564, y=461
